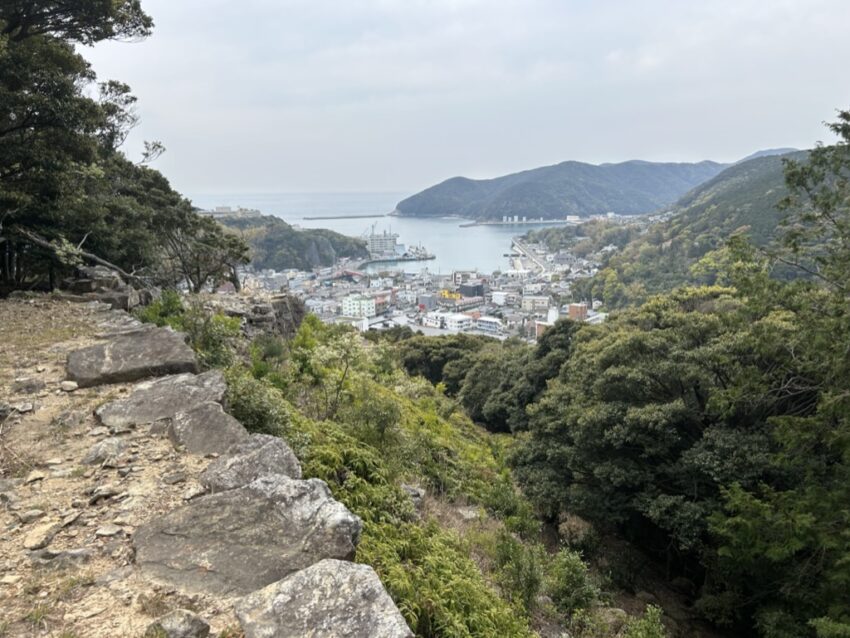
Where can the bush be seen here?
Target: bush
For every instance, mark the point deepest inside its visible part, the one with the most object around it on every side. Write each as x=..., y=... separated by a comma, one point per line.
x=569, y=583
x=260, y=407
x=578, y=534
x=503, y=500
x=520, y=569
x=648, y=626
x=213, y=336
x=165, y=311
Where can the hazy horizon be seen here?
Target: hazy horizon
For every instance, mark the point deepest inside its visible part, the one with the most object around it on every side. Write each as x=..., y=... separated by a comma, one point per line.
x=392, y=96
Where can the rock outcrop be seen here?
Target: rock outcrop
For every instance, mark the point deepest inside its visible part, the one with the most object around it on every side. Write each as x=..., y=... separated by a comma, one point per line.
x=237, y=541
x=205, y=429
x=259, y=455
x=157, y=526
x=130, y=357
x=330, y=599
x=99, y=283
x=162, y=399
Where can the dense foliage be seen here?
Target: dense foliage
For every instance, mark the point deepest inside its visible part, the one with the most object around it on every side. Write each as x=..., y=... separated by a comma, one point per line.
x=744, y=199
x=364, y=426
x=67, y=193
x=494, y=381
x=710, y=426
x=569, y=188
x=277, y=245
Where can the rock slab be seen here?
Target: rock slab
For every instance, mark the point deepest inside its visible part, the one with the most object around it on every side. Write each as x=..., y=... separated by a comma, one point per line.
x=330, y=599
x=162, y=399
x=238, y=541
x=131, y=357
x=259, y=455
x=206, y=429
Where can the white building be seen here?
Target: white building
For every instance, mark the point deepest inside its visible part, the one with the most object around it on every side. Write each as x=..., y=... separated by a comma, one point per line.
x=490, y=325
x=358, y=306
x=503, y=298
x=454, y=321
x=535, y=303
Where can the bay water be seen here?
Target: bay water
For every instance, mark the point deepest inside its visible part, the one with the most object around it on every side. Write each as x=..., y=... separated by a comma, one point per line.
x=479, y=248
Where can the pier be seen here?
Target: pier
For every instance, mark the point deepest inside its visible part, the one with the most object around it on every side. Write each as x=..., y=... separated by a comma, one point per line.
x=345, y=216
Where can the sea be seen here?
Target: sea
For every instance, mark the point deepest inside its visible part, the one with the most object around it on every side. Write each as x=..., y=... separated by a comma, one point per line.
x=481, y=248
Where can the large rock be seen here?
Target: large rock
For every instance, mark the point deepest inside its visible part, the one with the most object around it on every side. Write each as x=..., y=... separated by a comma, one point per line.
x=206, y=429
x=180, y=623
x=162, y=399
x=259, y=455
x=105, y=452
x=330, y=599
x=237, y=541
x=129, y=357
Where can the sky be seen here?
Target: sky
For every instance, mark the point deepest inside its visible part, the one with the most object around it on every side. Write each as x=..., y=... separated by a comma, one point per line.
x=395, y=95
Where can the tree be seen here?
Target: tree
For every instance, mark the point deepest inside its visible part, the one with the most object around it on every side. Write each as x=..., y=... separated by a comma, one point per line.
x=67, y=193
x=83, y=21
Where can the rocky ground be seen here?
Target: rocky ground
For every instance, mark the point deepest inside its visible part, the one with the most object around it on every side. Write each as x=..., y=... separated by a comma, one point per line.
x=106, y=517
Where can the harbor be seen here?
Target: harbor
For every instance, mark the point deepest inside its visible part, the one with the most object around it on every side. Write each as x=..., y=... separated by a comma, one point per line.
x=384, y=248
x=516, y=221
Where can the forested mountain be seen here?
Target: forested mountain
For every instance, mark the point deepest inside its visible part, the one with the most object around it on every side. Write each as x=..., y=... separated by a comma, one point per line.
x=569, y=188
x=743, y=199
x=277, y=245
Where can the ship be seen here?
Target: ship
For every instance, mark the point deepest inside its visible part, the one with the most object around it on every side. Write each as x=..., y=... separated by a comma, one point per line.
x=384, y=248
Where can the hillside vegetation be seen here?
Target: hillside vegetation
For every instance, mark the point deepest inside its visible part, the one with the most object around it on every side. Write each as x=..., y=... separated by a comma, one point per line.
x=569, y=188
x=744, y=199
x=708, y=427
x=468, y=560
x=277, y=245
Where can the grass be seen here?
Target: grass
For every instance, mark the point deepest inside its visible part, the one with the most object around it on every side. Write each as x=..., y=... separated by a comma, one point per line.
x=70, y=588
x=37, y=616
x=154, y=605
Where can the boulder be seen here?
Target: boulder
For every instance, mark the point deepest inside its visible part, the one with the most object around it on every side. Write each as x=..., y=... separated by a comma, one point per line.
x=41, y=535
x=129, y=357
x=238, y=541
x=180, y=623
x=105, y=452
x=258, y=455
x=162, y=399
x=327, y=600
x=206, y=429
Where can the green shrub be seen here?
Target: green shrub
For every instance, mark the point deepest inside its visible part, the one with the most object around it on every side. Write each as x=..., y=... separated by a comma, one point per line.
x=569, y=583
x=503, y=500
x=260, y=407
x=213, y=336
x=520, y=569
x=165, y=311
x=647, y=626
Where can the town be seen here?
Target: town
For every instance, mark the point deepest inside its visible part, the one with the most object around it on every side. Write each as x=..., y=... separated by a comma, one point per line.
x=518, y=302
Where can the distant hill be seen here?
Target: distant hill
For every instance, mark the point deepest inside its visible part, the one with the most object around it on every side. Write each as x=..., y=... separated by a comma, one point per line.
x=743, y=198
x=277, y=245
x=569, y=188
x=769, y=152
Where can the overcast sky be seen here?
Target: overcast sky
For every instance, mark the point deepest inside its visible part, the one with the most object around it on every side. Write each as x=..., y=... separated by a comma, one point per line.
x=395, y=95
